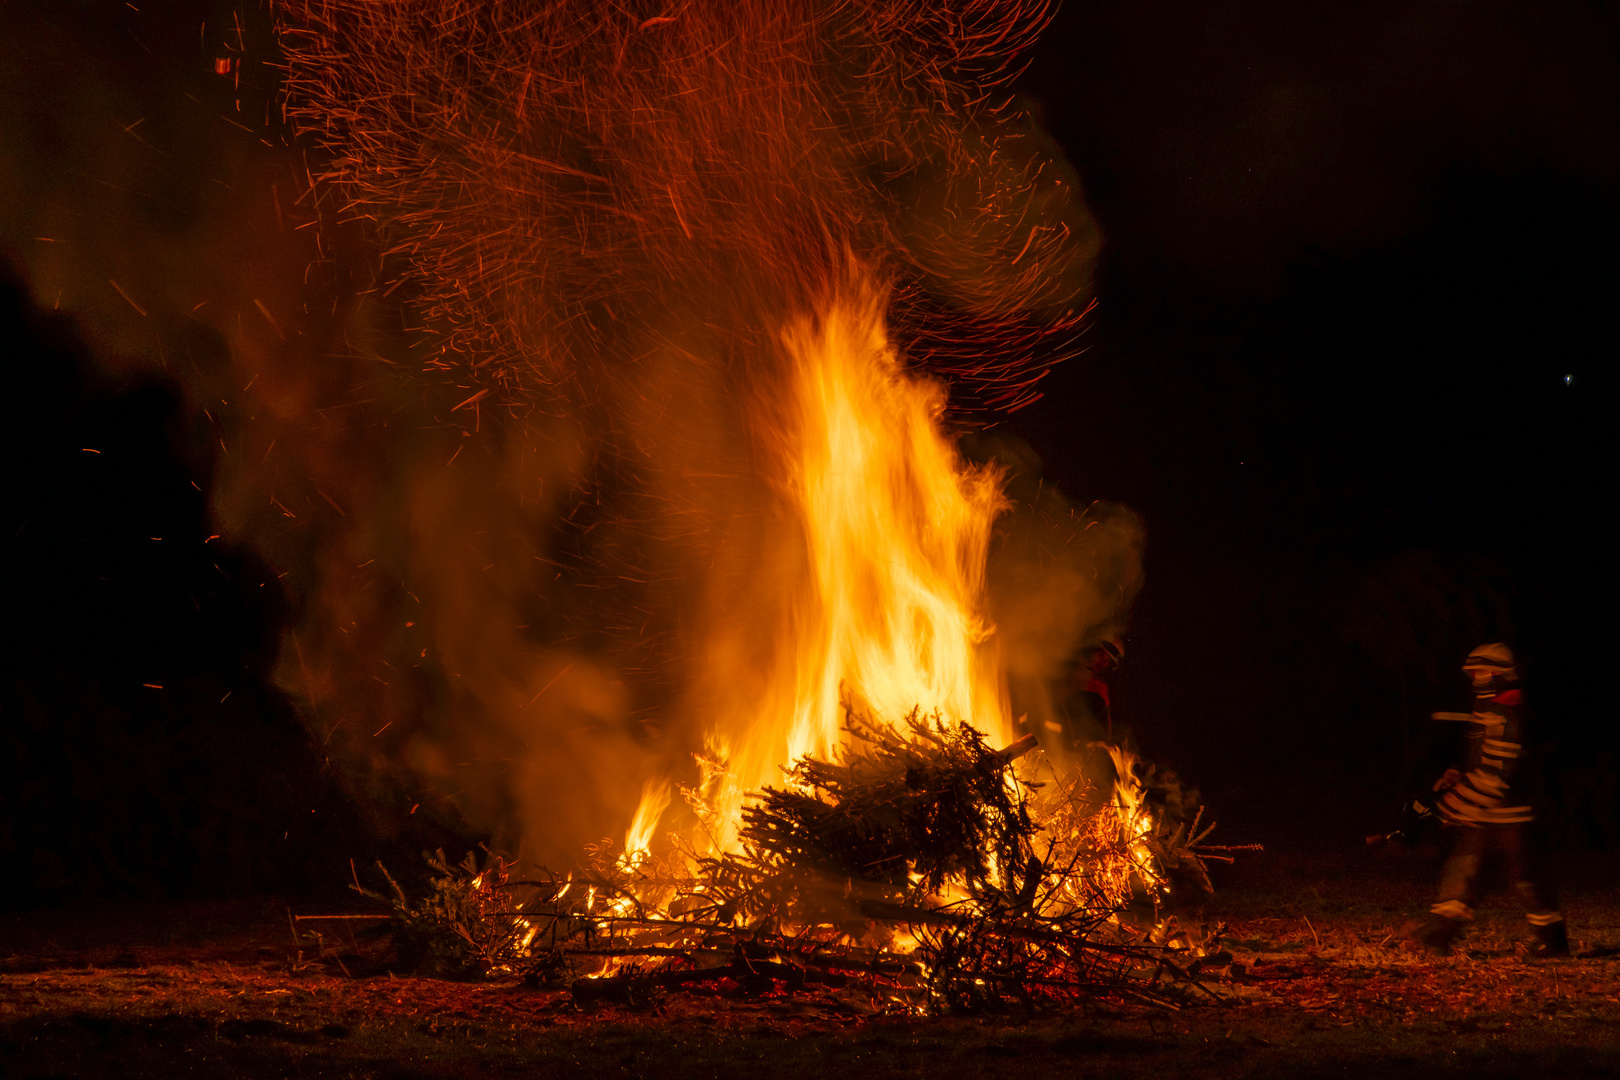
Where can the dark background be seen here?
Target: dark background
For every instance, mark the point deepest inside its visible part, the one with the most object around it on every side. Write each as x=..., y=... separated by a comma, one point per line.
x=1352, y=362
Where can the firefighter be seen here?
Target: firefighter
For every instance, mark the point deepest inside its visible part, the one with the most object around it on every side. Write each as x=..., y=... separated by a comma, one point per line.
x=1089, y=681
x=1484, y=805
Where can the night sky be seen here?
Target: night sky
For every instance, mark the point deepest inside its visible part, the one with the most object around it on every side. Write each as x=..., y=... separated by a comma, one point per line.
x=1352, y=361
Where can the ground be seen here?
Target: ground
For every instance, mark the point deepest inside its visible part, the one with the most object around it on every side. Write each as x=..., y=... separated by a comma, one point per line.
x=1320, y=988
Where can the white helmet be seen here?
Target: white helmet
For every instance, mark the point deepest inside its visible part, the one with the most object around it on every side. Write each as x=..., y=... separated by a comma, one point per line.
x=1493, y=661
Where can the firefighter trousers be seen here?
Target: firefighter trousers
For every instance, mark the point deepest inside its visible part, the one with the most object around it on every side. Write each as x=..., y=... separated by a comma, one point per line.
x=1478, y=851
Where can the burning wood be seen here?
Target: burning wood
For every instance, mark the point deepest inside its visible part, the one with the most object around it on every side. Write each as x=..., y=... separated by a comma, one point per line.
x=904, y=817
x=917, y=870
x=467, y=925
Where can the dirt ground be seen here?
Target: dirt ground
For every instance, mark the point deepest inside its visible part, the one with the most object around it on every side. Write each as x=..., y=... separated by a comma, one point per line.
x=1320, y=987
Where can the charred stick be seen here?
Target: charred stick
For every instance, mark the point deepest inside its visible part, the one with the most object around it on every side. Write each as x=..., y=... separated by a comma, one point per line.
x=1017, y=749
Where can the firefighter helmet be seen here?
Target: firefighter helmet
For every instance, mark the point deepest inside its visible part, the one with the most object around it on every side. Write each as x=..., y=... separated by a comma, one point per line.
x=1493, y=662
x=1104, y=656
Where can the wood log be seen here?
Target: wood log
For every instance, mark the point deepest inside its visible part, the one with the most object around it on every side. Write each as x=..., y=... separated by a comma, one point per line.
x=1017, y=749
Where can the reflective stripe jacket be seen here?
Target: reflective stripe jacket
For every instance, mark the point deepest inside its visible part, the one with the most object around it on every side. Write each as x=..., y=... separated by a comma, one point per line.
x=1486, y=795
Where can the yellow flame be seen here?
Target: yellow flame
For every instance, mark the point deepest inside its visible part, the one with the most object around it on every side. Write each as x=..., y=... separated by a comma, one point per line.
x=889, y=532
x=877, y=574
x=882, y=544
x=654, y=799
x=1135, y=817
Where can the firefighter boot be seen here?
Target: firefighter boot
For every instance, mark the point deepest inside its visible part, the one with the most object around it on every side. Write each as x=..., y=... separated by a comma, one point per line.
x=1552, y=939
x=1436, y=935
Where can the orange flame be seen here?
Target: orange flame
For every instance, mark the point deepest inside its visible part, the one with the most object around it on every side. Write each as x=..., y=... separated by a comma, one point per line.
x=1135, y=820
x=885, y=533
x=637, y=842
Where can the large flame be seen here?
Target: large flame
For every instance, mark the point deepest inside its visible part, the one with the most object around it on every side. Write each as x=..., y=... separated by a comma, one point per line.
x=891, y=530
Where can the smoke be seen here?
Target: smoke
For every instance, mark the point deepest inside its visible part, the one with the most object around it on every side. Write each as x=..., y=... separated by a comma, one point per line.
x=1062, y=579
x=487, y=331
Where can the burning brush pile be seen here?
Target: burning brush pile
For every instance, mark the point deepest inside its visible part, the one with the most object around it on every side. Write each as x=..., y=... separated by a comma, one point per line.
x=916, y=871
x=703, y=277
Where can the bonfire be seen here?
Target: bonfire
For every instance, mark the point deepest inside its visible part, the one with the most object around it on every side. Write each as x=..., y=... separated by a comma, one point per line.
x=917, y=871
x=819, y=229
